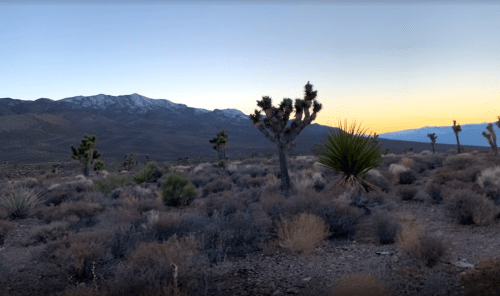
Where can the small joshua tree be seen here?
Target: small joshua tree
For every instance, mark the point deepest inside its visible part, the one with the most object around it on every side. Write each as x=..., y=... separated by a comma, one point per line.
x=433, y=138
x=130, y=161
x=456, y=130
x=220, y=142
x=87, y=154
x=275, y=122
x=491, y=137
x=374, y=139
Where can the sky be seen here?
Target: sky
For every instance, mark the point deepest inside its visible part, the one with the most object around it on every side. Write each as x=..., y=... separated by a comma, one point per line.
x=389, y=66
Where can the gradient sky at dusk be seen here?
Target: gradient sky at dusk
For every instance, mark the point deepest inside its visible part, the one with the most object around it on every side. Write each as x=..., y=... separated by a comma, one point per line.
x=392, y=66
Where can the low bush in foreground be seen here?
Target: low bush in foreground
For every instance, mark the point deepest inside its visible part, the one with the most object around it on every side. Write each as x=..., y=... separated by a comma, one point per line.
x=483, y=280
x=301, y=233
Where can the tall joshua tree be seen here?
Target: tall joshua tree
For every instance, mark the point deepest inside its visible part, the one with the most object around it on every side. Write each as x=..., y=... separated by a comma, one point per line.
x=275, y=129
x=433, y=138
x=220, y=143
x=456, y=130
x=87, y=154
x=492, y=138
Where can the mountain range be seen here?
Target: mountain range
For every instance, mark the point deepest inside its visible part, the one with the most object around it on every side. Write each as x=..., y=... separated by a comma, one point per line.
x=470, y=134
x=44, y=130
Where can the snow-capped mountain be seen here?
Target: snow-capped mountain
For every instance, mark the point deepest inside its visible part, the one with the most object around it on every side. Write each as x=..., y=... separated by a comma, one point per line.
x=470, y=134
x=132, y=104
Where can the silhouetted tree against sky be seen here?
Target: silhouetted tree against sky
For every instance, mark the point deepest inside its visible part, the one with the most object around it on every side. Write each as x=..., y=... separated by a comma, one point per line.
x=275, y=127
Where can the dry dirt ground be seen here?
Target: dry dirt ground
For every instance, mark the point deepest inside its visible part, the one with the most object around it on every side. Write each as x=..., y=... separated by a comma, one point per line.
x=277, y=271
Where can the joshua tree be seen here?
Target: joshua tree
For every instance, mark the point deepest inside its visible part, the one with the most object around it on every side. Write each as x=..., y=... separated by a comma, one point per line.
x=374, y=140
x=220, y=143
x=433, y=138
x=275, y=121
x=87, y=154
x=130, y=161
x=492, y=138
x=456, y=130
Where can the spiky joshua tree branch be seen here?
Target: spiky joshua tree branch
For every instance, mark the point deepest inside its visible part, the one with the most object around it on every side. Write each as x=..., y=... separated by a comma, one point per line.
x=491, y=136
x=456, y=129
x=87, y=154
x=220, y=142
x=275, y=126
x=433, y=138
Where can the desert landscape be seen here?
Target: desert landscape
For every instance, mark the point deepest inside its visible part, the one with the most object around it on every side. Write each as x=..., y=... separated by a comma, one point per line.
x=432, y=229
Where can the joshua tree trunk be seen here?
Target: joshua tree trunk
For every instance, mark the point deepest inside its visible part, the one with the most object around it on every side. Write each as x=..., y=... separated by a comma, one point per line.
x=433, y=151
x=458, y=142
x=285, y=177
x=85, y=170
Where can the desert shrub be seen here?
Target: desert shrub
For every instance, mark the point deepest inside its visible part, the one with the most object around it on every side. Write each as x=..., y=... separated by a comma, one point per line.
x=467, y=207
x=434, y=192
x=301, y=233
x=217, y=185
x=387, y=228
x=136, y=193
x=431, y=249
x=177, y=190
x=407, y=177
x=342, y=219
x=413, y=241
x=149, y=173
x=359, y=284
x=149, y=270
x=5, y=227
x=459, y=161
x=396, y=169
x=407, y=192
x=484, y=279
x=45, y=233
x=19, y=202
x=221, y=235
x=379, y=180
x=489, y=180
x=84, y=209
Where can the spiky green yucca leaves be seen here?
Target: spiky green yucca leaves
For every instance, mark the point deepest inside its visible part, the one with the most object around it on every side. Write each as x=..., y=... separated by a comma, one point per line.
x=352, y=154
x=433, y=138
x=220, y=142
x=87, y=154
x=491, y=137
x=19, y=202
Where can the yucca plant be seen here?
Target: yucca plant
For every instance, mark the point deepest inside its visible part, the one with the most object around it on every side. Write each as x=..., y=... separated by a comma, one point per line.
x=433, y=138
x=352, y=154
x=19, y=202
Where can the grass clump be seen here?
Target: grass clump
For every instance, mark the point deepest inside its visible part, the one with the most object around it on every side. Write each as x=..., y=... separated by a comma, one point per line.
x=352, y=154
x=19, y=202
x=413, y=241
x=359, y=284
x=484, y=279
x=387, y=228
x=177, y=190
x=467, y=208
x=49, y=232
x=301, y=233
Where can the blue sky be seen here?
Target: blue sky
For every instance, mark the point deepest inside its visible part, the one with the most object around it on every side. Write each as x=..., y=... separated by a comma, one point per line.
x=392, y=66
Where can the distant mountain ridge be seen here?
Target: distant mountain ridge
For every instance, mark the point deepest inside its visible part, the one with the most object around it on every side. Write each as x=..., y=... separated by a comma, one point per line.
x=470, y=134
x=44, y=130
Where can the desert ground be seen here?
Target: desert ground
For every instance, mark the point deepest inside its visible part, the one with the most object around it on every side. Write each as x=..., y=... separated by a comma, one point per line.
x=431, y=229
